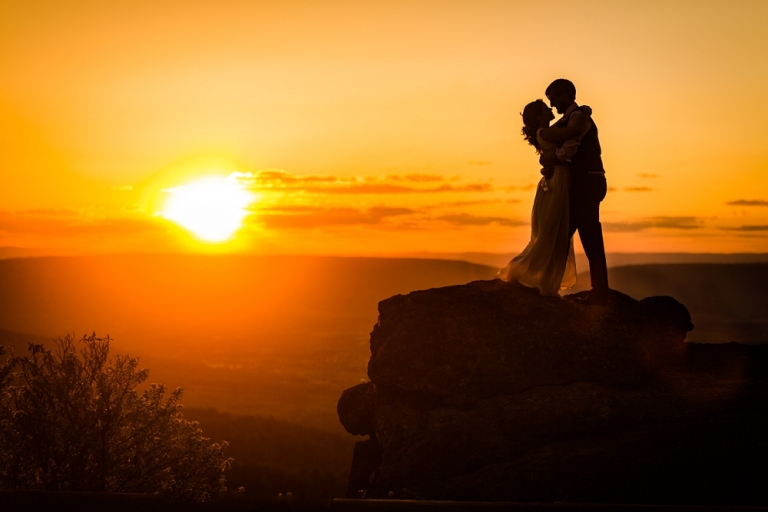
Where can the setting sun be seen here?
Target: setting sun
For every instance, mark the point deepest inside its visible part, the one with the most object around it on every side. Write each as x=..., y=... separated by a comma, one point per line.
x=211, y=208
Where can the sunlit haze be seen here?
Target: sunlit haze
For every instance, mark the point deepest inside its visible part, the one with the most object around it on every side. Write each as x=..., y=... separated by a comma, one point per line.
x=211, y=208
x=374, y=128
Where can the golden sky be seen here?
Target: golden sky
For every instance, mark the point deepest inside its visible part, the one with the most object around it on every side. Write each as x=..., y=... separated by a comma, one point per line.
x=376, y=127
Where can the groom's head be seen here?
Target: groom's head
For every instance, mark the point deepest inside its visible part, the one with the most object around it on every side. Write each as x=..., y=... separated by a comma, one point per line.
x=561, y=94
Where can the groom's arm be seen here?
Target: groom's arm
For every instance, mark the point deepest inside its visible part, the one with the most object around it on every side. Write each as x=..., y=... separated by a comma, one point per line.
x=569, y=148
x=566, y=151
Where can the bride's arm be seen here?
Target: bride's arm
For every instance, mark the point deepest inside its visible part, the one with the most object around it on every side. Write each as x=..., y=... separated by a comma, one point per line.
x=557, y=134
x=549, y=158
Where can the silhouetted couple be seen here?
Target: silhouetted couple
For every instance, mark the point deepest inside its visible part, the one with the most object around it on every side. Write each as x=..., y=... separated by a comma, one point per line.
x=567, y=198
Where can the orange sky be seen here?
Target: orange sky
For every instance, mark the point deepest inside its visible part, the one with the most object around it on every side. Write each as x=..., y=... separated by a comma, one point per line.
x=376, y=127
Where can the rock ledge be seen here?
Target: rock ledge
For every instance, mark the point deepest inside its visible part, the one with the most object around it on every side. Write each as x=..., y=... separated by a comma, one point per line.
x=485, y=392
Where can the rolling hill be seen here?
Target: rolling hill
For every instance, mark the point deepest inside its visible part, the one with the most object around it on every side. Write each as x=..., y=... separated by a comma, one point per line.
x=727, y=302
x=279, y=336
x=283, y=336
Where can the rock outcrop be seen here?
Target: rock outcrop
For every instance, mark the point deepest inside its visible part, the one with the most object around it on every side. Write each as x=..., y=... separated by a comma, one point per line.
x=486, y=392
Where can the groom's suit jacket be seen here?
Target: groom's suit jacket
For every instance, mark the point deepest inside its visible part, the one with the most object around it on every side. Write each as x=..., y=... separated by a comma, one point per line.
x=587, y=160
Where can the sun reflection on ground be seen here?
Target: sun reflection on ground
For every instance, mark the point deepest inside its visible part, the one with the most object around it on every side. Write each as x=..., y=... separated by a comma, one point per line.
x=211, y=208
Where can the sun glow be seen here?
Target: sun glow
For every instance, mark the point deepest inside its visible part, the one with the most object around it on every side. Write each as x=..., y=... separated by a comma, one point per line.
x=211, y=208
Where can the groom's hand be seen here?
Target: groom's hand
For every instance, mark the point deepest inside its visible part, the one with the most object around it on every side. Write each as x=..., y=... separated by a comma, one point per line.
x=548, y=172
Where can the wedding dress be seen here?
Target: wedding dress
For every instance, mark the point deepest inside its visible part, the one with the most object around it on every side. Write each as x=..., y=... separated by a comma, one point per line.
x=548, y=262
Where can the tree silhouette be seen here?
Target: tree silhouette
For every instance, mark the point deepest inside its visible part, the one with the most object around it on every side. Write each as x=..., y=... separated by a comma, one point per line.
x=74, y=420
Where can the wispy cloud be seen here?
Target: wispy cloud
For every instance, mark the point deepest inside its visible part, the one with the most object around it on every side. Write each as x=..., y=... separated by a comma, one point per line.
x=513, y=188
x=479, y=162
x=73, y=223
x=647, y=175
x=654, y=222
x=465, y=219
x=383, y=188
x=58, y=213
x=746, y=228
x=748, y=202
x=417, y=178
x=631, y=189
x=307, y=217
x=455, y=204
x=298, y=217
x=274, y=180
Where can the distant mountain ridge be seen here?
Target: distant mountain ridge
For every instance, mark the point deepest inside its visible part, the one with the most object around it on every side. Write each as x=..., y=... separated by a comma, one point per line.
x=614, y=259
x=21, y=252
x=279, y=336
x=728, y=302
x=19, y=342
x=491, y=259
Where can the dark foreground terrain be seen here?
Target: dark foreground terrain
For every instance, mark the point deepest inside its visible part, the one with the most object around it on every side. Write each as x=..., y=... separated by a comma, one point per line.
x=484, y=392
x=270, y=343
x=274, y=458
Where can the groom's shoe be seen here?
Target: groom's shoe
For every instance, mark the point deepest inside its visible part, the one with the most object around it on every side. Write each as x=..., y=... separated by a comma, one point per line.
x=595, y=298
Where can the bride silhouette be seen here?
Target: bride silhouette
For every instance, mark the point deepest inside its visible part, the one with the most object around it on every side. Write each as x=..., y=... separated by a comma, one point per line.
x=548, y=262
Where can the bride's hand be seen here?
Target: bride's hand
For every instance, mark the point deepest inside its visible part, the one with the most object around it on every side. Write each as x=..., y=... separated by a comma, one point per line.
x=586, y=110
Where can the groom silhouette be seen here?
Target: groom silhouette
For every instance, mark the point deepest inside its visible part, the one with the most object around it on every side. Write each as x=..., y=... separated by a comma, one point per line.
x=588, y=185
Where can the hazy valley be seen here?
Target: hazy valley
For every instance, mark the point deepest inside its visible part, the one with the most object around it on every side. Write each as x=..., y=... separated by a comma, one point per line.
x=283, y=336
x=264, y=346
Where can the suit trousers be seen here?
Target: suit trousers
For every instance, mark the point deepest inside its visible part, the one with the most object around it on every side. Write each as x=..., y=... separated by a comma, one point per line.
x=587, y=192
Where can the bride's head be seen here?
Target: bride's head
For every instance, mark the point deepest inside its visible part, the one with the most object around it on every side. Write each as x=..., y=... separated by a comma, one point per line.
x=536, y=115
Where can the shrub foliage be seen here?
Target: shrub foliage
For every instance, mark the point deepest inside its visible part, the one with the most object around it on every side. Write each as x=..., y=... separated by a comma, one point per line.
x=74, y=420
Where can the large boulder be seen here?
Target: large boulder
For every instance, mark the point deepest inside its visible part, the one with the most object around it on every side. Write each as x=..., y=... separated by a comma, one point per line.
x=487, y=392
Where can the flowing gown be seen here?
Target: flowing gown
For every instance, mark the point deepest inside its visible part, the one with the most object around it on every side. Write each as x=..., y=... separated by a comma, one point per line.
x=548, y=262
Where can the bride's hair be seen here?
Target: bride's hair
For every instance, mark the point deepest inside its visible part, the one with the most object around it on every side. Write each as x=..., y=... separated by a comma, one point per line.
x=531, y=123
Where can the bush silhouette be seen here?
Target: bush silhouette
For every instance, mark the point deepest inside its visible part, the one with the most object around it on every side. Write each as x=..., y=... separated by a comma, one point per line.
x=73, y=420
